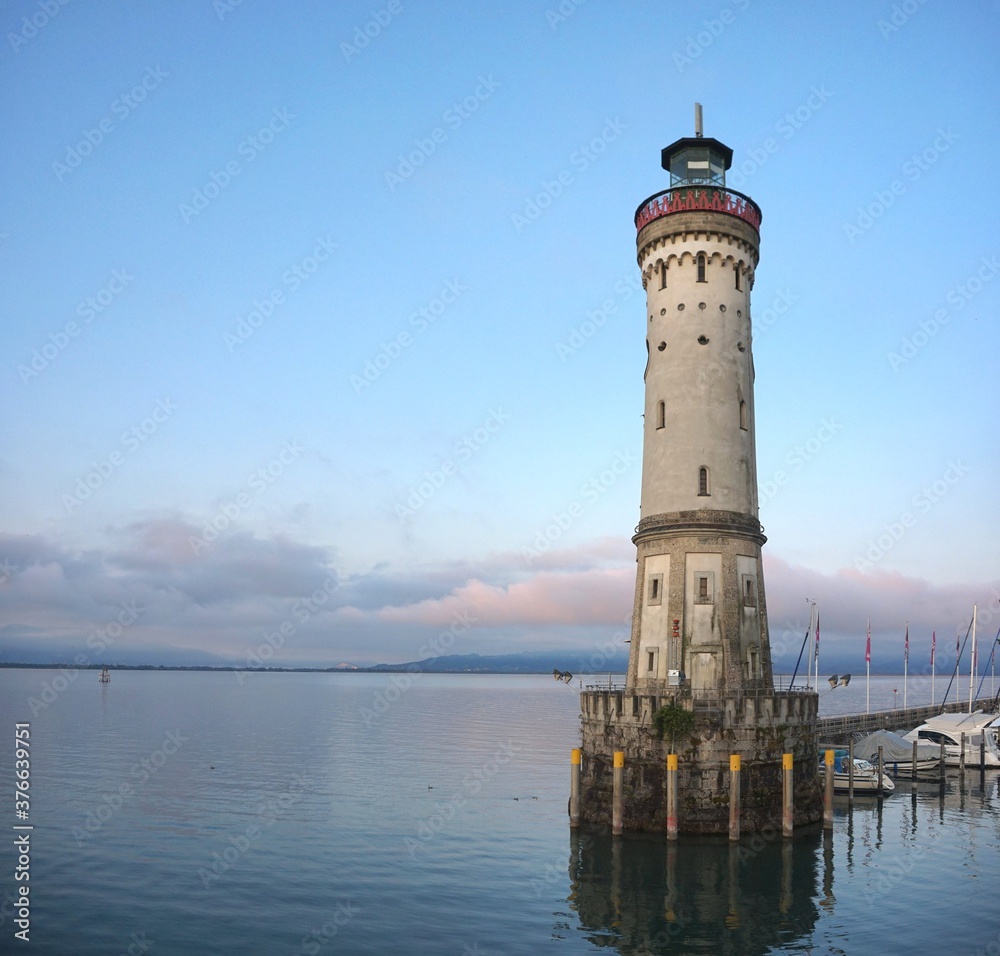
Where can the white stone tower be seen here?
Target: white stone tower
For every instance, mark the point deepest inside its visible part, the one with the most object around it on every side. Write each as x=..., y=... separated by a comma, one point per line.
x=699, y=623
x=699, y=620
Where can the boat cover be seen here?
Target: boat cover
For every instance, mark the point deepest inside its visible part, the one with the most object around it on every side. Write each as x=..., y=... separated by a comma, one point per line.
x=894, y=748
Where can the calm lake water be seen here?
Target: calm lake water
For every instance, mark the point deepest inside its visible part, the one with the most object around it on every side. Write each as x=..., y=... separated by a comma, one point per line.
x=187, y=812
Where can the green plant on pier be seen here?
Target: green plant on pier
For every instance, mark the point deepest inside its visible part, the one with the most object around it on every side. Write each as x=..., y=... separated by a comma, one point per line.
x=672, y=722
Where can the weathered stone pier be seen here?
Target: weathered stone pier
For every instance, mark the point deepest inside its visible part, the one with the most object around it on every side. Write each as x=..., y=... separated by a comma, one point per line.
x=760, y=728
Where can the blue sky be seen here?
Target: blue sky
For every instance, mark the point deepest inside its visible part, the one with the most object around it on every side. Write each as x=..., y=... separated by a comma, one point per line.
x=338, y=304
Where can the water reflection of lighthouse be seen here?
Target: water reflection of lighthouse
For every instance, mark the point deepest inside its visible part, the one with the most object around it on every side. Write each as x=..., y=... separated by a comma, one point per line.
x=643, y=896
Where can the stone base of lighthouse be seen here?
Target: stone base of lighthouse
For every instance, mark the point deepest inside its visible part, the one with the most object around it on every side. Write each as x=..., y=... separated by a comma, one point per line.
x=760, y=728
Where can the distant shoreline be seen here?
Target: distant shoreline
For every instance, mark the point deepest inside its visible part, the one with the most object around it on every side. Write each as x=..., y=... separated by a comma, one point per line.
x=409, y=668
x=374, y=669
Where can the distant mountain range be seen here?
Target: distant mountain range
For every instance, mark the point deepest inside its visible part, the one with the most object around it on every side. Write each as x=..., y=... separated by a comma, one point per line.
x=537, y=662
x=540, y=662
x=580, y=662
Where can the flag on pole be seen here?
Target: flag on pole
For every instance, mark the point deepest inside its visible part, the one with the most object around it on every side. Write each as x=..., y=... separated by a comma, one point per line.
x=868, y=644
x=933, y=645
x=817, y=632
x=958, y=651
x=906, y=646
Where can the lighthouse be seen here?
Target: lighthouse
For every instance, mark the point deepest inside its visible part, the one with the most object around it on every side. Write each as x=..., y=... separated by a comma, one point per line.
x=699, y=659
x=699, y=618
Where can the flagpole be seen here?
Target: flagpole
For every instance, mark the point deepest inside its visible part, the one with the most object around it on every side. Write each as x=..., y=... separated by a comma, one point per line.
x=868, y=669
x=933, y=642
x=817, y=650
x=809, y=662
x=906, y=661
x=972, y=662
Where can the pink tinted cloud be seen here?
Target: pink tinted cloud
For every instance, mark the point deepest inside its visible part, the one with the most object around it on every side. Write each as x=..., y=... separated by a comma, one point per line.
x=596, y=596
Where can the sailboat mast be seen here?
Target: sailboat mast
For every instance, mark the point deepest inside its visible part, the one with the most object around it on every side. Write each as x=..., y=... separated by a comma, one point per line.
x=972, y=661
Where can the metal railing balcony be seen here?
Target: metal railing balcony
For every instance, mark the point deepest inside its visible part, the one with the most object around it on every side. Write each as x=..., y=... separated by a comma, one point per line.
x=698, y=198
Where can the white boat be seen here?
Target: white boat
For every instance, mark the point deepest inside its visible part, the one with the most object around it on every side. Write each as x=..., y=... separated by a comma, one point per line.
x=979, y=729
x=105, y=676
x=867, y=779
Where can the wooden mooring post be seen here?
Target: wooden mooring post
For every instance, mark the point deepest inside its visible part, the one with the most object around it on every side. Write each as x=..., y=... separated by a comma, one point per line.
x=850, y=771
x=787, y=794
x=828, y=759
x=574, y=788
x=734, y=797
x=880, y=772
x=617, y=793
x=671, y=796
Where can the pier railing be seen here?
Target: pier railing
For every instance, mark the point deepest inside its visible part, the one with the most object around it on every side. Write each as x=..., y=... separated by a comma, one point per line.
x=839, y=728
x=616, y=682
x=606, y=682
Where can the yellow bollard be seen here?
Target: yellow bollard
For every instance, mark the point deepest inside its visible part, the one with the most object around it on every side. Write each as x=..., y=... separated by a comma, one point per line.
x=788, y=794
x=828, y=760
x=574, y=788
x=671, y=796
x=618, y=782
x=734, y=797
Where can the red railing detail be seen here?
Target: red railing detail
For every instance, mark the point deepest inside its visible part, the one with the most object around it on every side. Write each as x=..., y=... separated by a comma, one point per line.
x=687, y=198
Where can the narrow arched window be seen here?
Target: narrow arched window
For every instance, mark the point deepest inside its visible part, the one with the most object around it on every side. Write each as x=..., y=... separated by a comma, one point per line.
x=703, y=480
x=701, y=266
x=743, y=415
x=661, y=414
x=739, y=278
x=663, y=275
